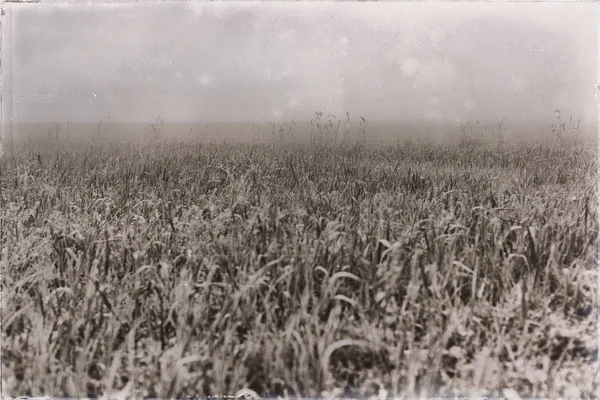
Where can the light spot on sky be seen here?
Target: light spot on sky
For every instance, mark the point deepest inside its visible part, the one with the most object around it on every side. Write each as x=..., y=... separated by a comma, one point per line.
x=436, y=34
x=293, y=103
x=447, y=69
x=286, y=70
x=197, y=9
x=179, y=51
x=410, y=66
x=277, y=113
x=469, y=104
x=409, y=38
x=268, y=72
x=437, y=75
x=205, y=80
x=518, y=84
x=286, y=36
x=219, y=12
x=433, y=114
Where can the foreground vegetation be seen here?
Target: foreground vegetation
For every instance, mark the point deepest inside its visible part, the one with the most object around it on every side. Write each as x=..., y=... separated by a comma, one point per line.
x=170, y=269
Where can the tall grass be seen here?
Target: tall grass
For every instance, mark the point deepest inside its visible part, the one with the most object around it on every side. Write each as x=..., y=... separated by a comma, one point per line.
x=164, y=269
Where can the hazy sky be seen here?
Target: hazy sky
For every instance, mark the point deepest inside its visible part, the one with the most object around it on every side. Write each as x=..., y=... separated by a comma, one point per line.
x=257, y=61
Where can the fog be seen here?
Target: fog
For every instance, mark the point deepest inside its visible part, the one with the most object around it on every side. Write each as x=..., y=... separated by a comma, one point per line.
x=440, y=63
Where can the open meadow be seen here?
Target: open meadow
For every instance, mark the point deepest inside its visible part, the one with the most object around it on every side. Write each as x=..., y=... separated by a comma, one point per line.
x=169, y=269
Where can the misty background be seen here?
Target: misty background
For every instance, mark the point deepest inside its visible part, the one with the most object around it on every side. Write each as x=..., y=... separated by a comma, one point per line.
x=421, y=65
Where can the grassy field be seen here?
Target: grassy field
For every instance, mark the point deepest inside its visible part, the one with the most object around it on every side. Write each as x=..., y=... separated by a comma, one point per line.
x=165, y=269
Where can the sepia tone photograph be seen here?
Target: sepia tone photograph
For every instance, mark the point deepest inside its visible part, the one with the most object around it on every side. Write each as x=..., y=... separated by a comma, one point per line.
x=304, y=200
